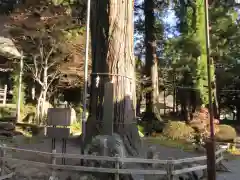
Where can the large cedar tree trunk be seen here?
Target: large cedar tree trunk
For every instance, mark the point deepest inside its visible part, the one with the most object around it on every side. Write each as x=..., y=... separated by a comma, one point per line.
x=112, y=52
x=151, y=67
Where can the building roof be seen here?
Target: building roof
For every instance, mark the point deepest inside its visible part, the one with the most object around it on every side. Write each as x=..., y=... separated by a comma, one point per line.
x=5, y=64
x=7, y=46
x=8, y=49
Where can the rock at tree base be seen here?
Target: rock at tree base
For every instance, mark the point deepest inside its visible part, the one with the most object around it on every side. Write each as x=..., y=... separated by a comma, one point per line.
x=7, y=126
x=7, y=129
x=112, y=146
x=105, y=145
x=6, y=133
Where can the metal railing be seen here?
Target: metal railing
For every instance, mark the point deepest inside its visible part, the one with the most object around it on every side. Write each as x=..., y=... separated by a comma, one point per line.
x=3, y=95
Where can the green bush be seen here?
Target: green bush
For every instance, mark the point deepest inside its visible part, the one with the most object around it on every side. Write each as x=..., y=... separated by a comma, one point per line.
x=76, y=128
x=28, y=108
x=158, y=125
x=28, y=112
x=15, y=77
x=178, y=130
x=6, y=112
x=141, y=131
x=152, y=126
x=226, y=133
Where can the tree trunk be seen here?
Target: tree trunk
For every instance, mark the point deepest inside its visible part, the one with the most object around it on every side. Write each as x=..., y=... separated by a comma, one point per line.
x=215, y=99
x=43, y=103
x=44, y=90
x=138, y=106
x=238, y=115
x=151, y=67
x=112, y=53
x=39, y=108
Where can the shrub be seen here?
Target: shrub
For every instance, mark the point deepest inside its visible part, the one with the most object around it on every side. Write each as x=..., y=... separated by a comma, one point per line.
x=28, y=112
x=177, y=130
x=141, y=131
x=76, y=128
x=15, y=78
x=6, y=112
x=152, y=126
x=158, y=126
x=226, y=133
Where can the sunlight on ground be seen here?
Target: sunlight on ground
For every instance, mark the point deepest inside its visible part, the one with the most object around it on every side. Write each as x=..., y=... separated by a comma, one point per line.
x=164, y=141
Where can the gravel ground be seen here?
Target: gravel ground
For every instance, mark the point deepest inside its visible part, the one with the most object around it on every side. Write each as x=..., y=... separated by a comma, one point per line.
x=73, y=148
x=233, y=166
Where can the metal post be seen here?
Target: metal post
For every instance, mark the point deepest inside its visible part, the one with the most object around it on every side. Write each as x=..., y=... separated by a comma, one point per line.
x=5, y=95
x=84, y=118
x=2, y=154
x=174, y=92
x=19, y=90
x=54, y=162
x=117, y=166
x=164, y=100
x=211, y=165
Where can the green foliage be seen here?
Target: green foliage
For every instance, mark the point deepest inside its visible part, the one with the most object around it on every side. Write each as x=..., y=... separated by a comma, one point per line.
x=202, y=61
x=63, y=2
x=7, y=112
x=57, y=35
x=15, y=78
x=6, y=6
x=178, y=130
x=141, y=129
x=166, y=142
x=154, y=126
x=79, y=110
x=76, y=128
x=226, y=133
x=191, y=46
x=28, y=109
x=74, y=33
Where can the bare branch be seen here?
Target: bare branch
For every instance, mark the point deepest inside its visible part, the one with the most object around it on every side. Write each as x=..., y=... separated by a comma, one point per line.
x=36, y=76
x=35, y=71
x=49, y=54
x=52, y=64
x=41, y=51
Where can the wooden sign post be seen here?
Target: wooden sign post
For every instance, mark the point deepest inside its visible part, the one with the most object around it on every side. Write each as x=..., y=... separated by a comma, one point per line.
x=59, y=117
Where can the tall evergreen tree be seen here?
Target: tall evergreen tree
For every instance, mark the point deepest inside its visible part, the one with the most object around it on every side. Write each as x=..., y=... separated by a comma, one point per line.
x=112, y=54
x=151, y=67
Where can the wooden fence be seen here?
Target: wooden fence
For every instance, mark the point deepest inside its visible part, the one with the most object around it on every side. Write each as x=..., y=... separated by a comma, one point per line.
x=166, y=167
x=3, y=95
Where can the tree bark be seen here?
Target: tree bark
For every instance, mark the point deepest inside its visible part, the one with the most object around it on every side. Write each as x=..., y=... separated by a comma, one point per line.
x=39, y=108
x=238, y=114
x=151, y=67
x=112, y=53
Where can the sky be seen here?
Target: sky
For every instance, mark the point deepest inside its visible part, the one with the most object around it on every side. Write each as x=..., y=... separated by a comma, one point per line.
x=169, y=19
